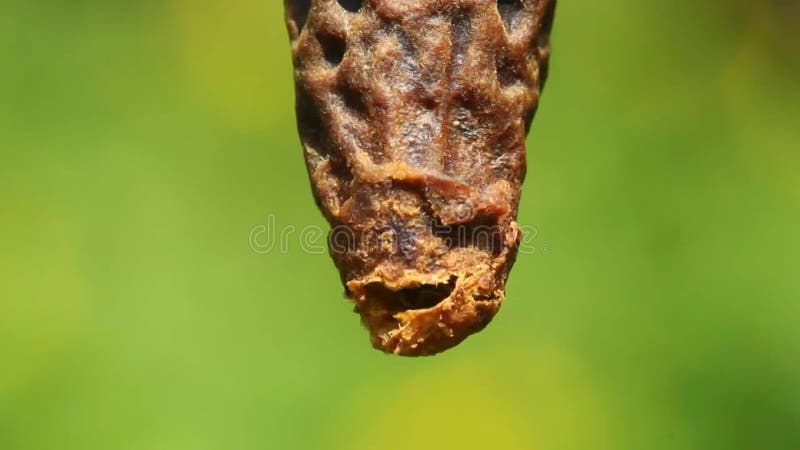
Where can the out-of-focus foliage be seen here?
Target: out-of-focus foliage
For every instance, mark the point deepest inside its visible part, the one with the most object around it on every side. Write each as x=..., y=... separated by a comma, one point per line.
x=141, y=142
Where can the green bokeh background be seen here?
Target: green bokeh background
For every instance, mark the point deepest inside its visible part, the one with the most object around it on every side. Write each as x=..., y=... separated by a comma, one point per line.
x=141, y=142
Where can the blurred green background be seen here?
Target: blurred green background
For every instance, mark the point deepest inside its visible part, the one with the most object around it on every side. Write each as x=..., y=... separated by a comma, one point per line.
x=141, y=142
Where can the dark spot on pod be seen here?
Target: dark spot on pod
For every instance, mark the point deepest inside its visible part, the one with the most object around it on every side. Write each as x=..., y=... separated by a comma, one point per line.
x=333, y=48
x=509, y=11
x=298, y=11
x=350, y=5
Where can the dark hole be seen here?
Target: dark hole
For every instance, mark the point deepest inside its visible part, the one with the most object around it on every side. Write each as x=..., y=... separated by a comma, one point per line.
x=298, y=9
x=409, y=299
x=309, y=122
x=509, y=11
x=506, y=72
x=333, y=48
x=429, y=101
x=426, y=296
x=350, y=5
x=353, y=99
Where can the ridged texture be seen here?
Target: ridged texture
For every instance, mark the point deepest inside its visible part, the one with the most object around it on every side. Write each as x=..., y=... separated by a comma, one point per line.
x=413, y=116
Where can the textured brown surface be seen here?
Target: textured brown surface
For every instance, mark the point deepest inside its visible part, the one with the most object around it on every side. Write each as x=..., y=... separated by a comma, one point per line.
x=413, y=116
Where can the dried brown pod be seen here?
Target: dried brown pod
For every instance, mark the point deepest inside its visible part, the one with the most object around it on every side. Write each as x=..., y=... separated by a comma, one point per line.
x=413, y=116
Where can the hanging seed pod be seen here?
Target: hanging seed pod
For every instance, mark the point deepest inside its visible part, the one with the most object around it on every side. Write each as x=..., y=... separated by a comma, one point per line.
x=413, y=116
